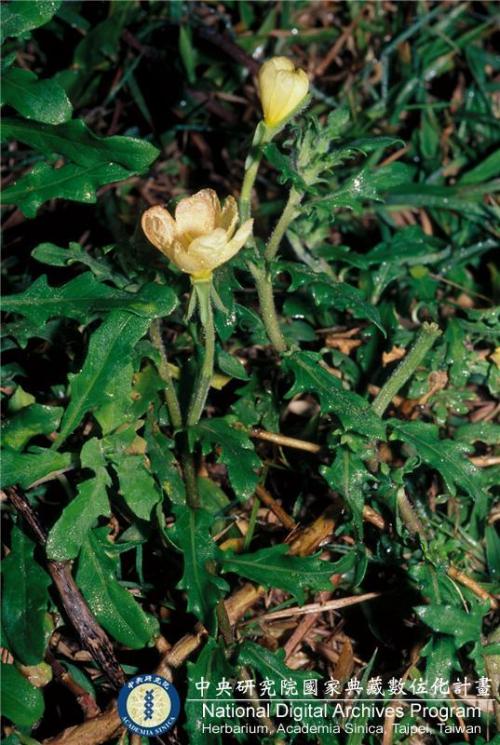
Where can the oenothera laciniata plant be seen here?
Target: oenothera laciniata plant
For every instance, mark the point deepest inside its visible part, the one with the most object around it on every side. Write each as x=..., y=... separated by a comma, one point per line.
x=203, y=235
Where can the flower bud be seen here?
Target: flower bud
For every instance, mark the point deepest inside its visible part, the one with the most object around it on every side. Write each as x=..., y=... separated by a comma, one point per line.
x=201, y=237
x=282, y=88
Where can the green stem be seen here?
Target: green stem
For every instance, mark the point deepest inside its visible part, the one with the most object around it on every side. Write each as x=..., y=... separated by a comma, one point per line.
x=409, y=516
x=174, y=409
x=426, y=338
x=288, y=214
x=198, y=400
x=175, y=414
x=251, y=523
x=261, y=136
x=267, y=308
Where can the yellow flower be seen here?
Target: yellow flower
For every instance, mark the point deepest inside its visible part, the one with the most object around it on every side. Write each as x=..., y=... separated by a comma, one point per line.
x=281, y=89
x=201, y=237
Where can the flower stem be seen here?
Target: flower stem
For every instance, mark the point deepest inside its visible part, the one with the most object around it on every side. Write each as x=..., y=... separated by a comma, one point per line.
x=261, y=136
x=174, y=409
x=426, y=338
x=267, y=307
x=198, y=400
x=175, y=414
x=288, y=214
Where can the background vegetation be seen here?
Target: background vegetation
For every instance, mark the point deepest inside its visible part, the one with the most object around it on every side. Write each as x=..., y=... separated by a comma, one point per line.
x=113, y=107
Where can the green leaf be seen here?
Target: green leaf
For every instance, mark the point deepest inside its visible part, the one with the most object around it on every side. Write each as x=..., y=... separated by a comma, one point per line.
x=284, y=166
x=31, y=421
x=188, y=53
x=164, y=464
x=311, y=377
x=237, y=452
x=272, y=665
x=28, y=468
x=326, y=292
x=369, y=184
x=42, y=100
x=231, y=365
x=85, y=295
x=211, y=665
x=137, y=485
x=446, y=619
x=113, y=606
x=109, y=351
x=487, y=169
x=71, y=182
x=70, y=530
x=349, y=476
x=20, y=16
x=22, y=703
x=192, y=534
x=76, y=142
x=493, y=551
x=445, y=455
x=274, y=567
x=49, y=253
x=465, y=198
x=487, y=432
x=25, y=601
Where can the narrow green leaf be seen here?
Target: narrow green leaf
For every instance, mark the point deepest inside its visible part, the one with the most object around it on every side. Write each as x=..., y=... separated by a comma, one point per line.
x=192, y=534
x=311, y=377
x=137, y=485
x=21, y=16
x=42, y=100
x=327, y=293
x=76, y=183
x=349, y=476
x=22, y=703
x=70, y=530
x=274, y=567
x=237, y=452
x=76, y=142
x=446, y=456
x=27, y=468
x=113, y=606
x=163, y=461
x=85, y=295
x=187, y=51
x=446, y=619
x=211, y=665
x=272, y=665
x=31, y=421
x=25, y=601
x=109, y=351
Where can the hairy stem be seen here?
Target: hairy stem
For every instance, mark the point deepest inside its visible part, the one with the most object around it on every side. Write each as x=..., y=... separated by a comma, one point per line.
x=287, y=216
x=426, y=338
x=173, y=406
x=267, y=308
x=200, y=394
x=261, y=136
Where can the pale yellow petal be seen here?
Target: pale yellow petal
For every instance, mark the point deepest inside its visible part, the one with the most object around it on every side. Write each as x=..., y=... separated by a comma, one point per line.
x=229, y=216
x=203, y=254
x=290, y=90
x=159, y=227
x=238, y=241
x=267, y=80
x=281, y=89
x=197, y=215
